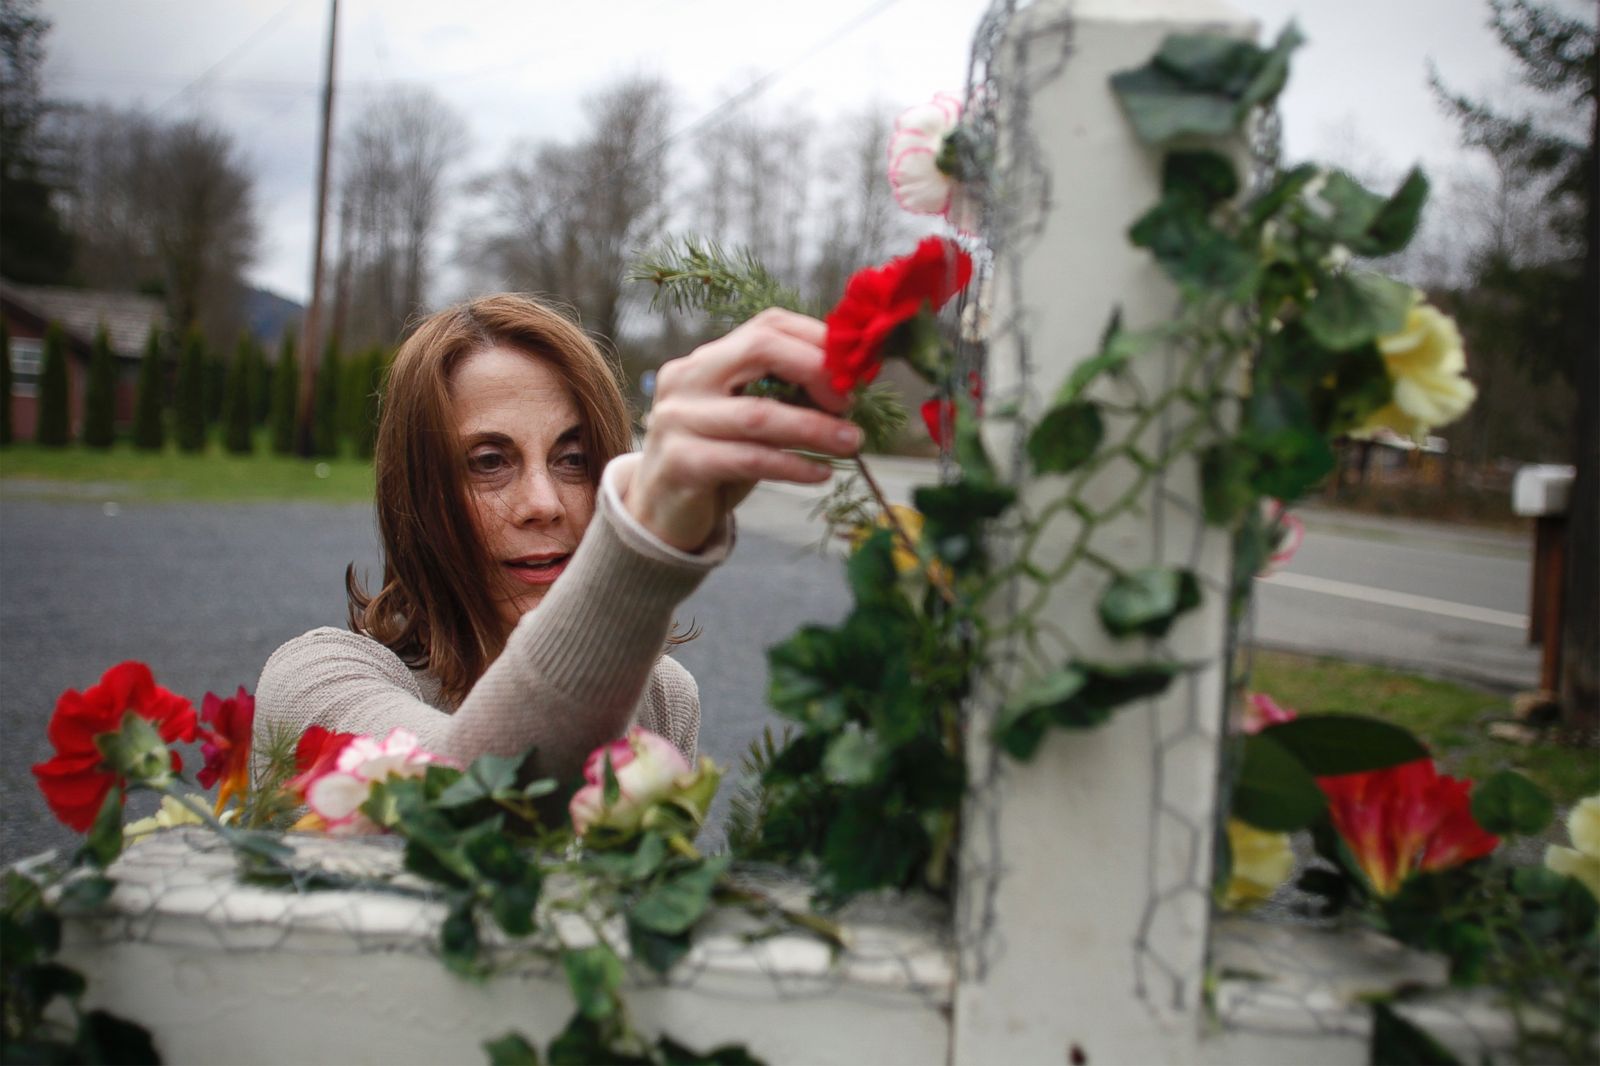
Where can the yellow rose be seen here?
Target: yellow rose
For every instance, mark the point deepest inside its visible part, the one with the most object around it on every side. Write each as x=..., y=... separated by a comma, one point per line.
x=1427, y=369
x=1261, y=862
x=1582, y=861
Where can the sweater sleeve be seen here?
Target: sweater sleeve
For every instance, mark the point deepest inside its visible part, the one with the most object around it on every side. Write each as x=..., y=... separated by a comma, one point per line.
x=568, y=680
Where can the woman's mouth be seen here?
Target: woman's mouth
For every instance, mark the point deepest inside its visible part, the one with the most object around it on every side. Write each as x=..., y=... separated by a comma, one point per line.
x=537, y=570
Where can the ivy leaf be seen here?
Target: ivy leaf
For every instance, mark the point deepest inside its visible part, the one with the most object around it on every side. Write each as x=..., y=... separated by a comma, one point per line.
x=675, y=904
x=44, y=981
x=104, y=842
x=512, y=1049
x=1398, y=1042
x=1359, y=385
x=1331, y=744
x=1202, y=84
x=852, y=757
x=659, y=951
x=1285, y=188
x=1191, y=251
x=1020, y=732
x=800, y=674
x=1394, y=223
x=87, y=893
x=1021, y=724
x=1113, y=684
x=1065, y=437
x=1356, y=307
x=1289, y=462
x=1273, y=791
x=108, y=1038
x=594, y=974
x=458, y=938
x=869, y=846
x=1148, y=600
x=1508, y=804
x=512, y=907
x=870, y=569
x=1205, y=176
x=487, y=775
x=494, y=856
x=676, y=1054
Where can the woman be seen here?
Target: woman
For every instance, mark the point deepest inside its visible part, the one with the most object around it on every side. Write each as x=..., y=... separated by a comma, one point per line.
x=531, y=569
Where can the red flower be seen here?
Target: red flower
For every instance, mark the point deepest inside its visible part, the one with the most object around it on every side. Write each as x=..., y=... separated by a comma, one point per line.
x=878, y=299
x=940, y=412
x=76, y=780
x=226, y=745
x=315, y=754
x=1404, y=820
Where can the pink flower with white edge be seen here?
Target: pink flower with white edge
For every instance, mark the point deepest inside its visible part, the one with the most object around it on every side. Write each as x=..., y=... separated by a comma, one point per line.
x=1261, y=710
x=656, y=788
x=920, y=185
x=1287, y=532
x=337, y=795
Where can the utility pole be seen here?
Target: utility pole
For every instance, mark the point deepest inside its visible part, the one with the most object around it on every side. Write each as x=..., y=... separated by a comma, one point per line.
x=310, y=341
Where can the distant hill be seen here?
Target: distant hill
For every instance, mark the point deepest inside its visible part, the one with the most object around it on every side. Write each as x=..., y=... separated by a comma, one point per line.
x=267, y=315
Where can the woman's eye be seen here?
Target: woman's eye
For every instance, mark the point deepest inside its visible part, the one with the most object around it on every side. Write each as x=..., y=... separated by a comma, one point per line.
x=486, y=463
x=572, y=462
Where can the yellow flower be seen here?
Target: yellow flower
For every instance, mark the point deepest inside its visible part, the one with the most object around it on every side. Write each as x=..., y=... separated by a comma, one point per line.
x=1261, y=862
x=1427, y=369
x=172, y=813
x=1582, y=861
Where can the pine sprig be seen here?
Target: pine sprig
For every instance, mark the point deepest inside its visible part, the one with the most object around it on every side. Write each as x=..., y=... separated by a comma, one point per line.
x=747, y=809
x=730, y=286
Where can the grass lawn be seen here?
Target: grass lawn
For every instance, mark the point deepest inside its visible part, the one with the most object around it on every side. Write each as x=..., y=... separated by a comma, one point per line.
x=1450, y=718
x=125, y=473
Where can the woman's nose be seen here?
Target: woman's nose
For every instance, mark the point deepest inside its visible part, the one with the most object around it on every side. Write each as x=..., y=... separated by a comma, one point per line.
x=538, y=500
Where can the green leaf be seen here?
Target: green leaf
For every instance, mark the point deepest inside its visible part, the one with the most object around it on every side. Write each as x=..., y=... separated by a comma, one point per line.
x=676, y=903
x=1508, y=804
x=1065, y=437
x=658, y=951
x=1049, y=691
x=1207, y=177
x=1148, y=600
x=1284, y=189
x=594, y=975
x=800, y=678
x=104, y=842
x=1202, y=85
x=1392, y=227
x=1162, y=107
x=1356, y=307
x=869, y=845
x=676, y=1054
x=494, y=856
x=585, y=1042
x=512, y=907
x=852, y=757
x=1273, y=71
x=647, y=857
x=1331, y=744
x=458, y=938
x=870, y=569
x=1287, y=463
x=1117, y=346
x=1020, y=732
x=1358, y=386
x=1397, y=1042
x=512, y=1049
x=1226, y=476
x=107, y=1038
x=970, y=454
x=1351, y=208
x=487, y=775
x=1273, y=791
x=1191, y=251
x=1113, y=684
x=86, y=893
x=44, y=981
x=611, y=790
x=964, y=501
x=263, y=846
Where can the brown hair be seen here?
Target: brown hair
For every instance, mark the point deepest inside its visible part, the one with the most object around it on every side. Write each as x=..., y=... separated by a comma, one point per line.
x=431, y=609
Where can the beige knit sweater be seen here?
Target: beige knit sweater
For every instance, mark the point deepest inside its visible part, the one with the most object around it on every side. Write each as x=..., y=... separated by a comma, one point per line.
x=576, y=671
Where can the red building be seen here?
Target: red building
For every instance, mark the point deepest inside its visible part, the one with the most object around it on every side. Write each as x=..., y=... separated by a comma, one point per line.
x=28, y=311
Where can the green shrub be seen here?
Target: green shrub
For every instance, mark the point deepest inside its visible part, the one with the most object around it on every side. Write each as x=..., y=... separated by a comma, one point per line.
x=236, y=399
x=191, y=399
x=149, y=431
x=55, y=417
x=100, y=404
x=366, y=433
x=285, y=397
x=325, y=426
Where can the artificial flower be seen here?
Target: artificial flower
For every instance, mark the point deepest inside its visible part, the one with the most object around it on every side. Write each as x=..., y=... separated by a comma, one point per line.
x=1288, y=532
x=1427, y=372
x=76, y=780
x=336, y=795
x=940, y=412
x=1260, y=711
x=172, y=813
x=1405, y=820
x=878, y=300
x=656, y=786
x=1582, y=860
x=1261, y=862
x=226, y=744
x=910, y=521
x=922, y=161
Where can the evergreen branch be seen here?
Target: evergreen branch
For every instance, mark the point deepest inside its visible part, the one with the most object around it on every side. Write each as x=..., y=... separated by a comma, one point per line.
x=694, y=274
x=880, y=414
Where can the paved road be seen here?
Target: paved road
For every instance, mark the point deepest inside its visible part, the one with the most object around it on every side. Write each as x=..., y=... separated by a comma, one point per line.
x=204, y=593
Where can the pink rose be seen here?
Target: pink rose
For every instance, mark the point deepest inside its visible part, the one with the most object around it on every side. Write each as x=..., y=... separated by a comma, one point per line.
x=336, y=795
x=654, y=783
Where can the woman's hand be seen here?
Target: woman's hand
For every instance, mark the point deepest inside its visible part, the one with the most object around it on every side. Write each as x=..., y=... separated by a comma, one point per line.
x=707, y=446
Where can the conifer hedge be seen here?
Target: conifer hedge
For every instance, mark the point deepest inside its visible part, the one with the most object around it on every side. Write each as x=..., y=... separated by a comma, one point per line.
x=191, y=399
x=149, y=429
x=236, y=398
x=100, y=403
x=285, y=393
x=55, y=418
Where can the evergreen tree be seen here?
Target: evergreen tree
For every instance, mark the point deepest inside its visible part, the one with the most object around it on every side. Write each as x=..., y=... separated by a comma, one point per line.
x=285, y=396
x=216, y=387
x=149, y=430
x=5, y=383
x=100, y=405
x=325, y=407
x=366, y=437
x=1552, y=304
x=55, y=417
x=191, y=398
x=260, y=384
x=237, y=400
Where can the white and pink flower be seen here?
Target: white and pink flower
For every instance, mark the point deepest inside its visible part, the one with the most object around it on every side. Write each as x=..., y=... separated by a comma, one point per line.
x=337, y=794
x=651, y=775
x=916, y=148
x=1261, y=710
x=1287, y=531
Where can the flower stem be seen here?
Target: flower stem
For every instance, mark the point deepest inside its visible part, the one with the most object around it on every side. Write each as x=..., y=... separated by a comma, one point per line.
x=934, y=578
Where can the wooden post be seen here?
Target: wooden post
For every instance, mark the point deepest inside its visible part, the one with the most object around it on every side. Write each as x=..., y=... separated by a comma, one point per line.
x=1084, y=901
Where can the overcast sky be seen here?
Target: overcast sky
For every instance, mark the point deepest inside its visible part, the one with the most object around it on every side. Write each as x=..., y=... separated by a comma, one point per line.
x=517, y=69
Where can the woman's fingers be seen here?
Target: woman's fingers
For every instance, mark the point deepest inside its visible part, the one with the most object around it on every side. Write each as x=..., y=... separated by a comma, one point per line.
x=706, y=463
x=749, y=418
x=781, y=344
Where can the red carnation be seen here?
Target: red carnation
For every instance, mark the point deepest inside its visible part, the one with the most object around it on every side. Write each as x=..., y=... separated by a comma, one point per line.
x=939, y=413
x=226, y=745
x=76, y=780
x=879, y=299
x=315, y=754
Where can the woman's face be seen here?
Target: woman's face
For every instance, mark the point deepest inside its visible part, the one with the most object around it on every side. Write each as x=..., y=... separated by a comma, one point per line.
x=527, y=473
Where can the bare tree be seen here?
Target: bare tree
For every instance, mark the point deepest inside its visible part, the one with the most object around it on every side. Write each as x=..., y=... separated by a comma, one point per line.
x=568, y=218
x=395, y=163
x=755, y=186
x=861, y=223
